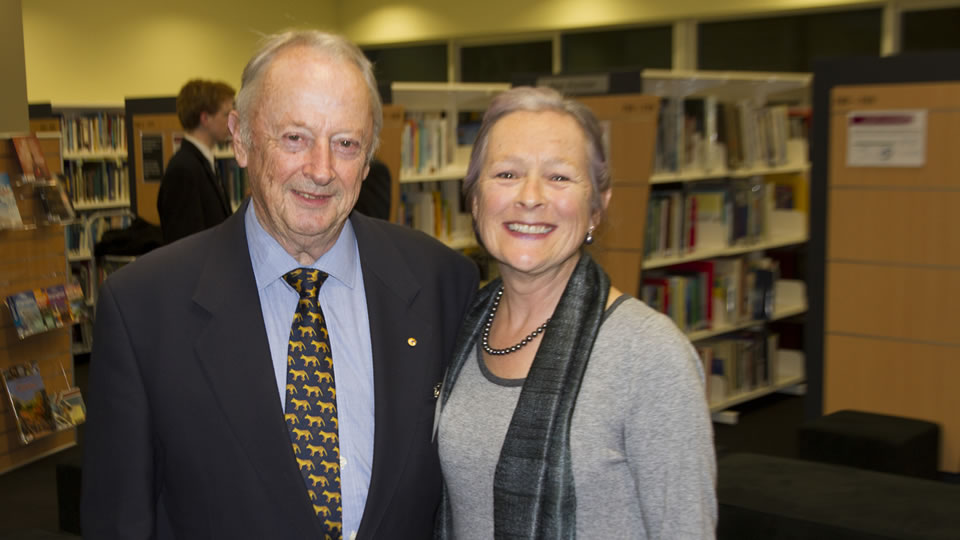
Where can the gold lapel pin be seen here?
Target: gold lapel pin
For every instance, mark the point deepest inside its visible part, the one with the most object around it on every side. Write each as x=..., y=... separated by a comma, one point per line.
x=412, y=342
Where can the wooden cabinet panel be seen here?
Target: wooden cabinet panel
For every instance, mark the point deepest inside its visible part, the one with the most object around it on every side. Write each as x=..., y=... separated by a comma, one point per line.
x=914, y=380
x=622, y=267
x=893, y=302
x=901, y=226
x=624, y=224
x=942, y=103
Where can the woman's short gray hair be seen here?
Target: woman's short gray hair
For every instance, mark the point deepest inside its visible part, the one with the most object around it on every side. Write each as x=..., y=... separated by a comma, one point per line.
x=537, y=99
x=333, y=45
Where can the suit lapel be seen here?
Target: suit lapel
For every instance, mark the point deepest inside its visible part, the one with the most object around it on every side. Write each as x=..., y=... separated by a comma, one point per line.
x=391, y=289
x=234, y=354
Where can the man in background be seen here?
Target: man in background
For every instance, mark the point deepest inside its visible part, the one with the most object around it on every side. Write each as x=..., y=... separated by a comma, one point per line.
x=191, y=197
x=276, y=376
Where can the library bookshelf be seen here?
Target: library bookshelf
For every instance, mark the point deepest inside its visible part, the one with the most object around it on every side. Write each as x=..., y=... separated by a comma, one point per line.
x=634, y=126
x=727, y=211
x=438, y=126
x=94, y=153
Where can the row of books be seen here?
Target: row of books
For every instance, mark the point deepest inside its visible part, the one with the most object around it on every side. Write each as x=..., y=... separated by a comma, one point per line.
x=82, y=237
x=703, y=134
x=235, y=182
x=435, y=208
x=37, y=414
x=39, y=310
x=713, y=294
x=719, y=214
x=739, y=363
x=98, y=182
x=93, y=132
x=425, y=146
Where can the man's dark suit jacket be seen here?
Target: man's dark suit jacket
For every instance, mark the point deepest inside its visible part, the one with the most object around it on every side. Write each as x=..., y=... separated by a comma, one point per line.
x=185, y=435
x=190, y=199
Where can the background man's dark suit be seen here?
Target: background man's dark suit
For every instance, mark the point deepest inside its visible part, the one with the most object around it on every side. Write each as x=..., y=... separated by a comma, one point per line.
x=190, y=199
x=180, y=331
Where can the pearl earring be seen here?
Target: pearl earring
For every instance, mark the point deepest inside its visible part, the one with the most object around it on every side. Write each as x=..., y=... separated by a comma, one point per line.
x=589, y=239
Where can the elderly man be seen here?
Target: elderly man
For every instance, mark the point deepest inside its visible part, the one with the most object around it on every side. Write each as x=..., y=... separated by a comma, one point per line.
x=275, y=376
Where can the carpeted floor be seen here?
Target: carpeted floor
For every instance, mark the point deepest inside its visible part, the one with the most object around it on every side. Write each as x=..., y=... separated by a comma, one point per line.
x=28, y=495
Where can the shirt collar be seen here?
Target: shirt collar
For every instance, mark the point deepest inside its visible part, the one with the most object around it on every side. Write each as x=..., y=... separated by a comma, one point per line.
x=204, y=149
x=271, y=261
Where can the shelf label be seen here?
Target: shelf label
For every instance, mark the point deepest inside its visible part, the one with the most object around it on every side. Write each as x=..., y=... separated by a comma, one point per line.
x=892, y=138
x=151, y=148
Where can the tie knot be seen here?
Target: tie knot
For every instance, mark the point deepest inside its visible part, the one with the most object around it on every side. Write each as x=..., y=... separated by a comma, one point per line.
x=306, y=281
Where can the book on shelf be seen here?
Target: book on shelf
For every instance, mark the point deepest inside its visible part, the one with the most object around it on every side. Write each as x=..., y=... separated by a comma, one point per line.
x=58, y=305
x=68, y=409
x=82, y=238
x=789, y=192
x=80, y=275
x=713, y=294
x=425, y=145
x=97, y=182
x=669, y=224
x=435, y=208
x=710, y=208
x=468, y=127
x=738, y=363
x=683, y=295
x=706, y=215
x=30, y=155
x=93, y=132
x=9, y=212
x=42, y=309
x=704, y=135
x=28, y=401
x=55, y=200
x=76, y=302
x=77, y=238
x=25, y=313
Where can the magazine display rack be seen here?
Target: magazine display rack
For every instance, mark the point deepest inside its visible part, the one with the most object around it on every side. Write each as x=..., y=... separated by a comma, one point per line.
x=32, y=256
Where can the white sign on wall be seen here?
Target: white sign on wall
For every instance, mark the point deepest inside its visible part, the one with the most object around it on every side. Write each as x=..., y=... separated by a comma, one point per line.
x=894, y=138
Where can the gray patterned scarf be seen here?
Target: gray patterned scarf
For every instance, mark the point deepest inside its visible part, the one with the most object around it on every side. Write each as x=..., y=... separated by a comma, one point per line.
x=533, y=484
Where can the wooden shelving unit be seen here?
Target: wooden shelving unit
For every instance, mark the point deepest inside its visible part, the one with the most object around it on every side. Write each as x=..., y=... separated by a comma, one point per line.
x=32, y=257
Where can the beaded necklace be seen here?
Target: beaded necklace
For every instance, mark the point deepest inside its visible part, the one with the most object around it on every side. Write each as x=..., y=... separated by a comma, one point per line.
x=485, y=340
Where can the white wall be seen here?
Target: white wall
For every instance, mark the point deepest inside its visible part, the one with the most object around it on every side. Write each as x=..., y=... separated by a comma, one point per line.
x=101, y=51
x=388, y=21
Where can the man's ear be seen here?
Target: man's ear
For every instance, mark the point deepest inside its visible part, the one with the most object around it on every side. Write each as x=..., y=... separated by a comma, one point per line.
x=239, y=145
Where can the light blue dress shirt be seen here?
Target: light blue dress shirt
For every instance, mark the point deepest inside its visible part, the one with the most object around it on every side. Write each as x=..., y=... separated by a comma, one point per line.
x=344, y=305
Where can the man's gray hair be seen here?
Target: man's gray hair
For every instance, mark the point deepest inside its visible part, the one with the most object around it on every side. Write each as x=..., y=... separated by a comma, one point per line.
x=333, y=45
x=537, y=99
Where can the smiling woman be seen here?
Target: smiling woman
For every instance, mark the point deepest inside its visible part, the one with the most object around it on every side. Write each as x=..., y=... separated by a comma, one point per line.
x=532, y=204
x=558, y=363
